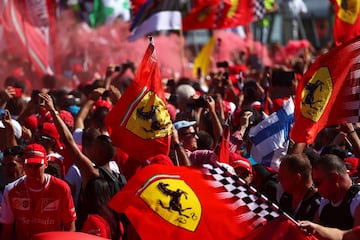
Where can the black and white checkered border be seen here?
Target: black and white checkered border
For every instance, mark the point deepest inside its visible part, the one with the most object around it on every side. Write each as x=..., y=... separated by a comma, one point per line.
x=260, y=208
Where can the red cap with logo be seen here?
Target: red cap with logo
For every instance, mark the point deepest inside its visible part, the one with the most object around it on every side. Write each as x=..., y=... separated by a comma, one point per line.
x=35, y=153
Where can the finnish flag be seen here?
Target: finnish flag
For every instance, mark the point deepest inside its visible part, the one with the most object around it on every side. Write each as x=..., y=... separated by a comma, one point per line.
x=270, y=137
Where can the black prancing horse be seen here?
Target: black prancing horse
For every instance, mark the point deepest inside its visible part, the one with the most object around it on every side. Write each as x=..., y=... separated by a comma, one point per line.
x=311, y=88
x=174, y=203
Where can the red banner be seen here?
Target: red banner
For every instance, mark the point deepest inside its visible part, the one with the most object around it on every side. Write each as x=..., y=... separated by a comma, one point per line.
x=29, y=21
x=328, y=93
x=139, y=123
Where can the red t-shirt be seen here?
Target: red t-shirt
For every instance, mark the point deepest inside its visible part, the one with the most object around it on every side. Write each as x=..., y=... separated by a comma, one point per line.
x=39, y=211
x=97, y=225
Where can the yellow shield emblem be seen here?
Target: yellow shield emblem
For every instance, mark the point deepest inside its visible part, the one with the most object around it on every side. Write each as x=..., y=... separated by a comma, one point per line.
x=316, y=94
x=174, y=201
x=150, y=119
x=348, y=10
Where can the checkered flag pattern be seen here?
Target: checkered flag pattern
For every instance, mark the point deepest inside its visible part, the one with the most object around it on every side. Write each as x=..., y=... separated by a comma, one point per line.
x=351, y=91
x=252, y=206
x=259, y=8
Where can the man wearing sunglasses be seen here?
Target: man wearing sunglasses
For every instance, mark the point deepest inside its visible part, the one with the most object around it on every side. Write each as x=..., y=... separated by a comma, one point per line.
x=340, y=206
x=12, y=163
x=187, y=135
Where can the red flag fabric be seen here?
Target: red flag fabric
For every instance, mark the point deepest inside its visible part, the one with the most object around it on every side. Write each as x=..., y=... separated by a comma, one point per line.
x=347, y=20
x=225, y=146
x=135, y=6
x=139, y=123
x=279, y=229
x=328, y=93
x=29, y=24
x=65, y=236
x=242, y=12
x=202, y=15
x=190, y=203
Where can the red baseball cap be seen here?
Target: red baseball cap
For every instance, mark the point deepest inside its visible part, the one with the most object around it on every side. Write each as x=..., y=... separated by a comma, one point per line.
x=160, y=159
x=103, y=103
x=49, y=130
x=236, y=160
x=31, y=122
x=35, y=153
x=67, y=118
x=352, y=164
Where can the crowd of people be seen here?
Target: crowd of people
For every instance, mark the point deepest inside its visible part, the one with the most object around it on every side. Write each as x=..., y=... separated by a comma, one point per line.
x=60, y=167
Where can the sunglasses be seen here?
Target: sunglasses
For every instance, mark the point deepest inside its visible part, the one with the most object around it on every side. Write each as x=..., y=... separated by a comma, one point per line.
x=193, y=134
x=13, y=151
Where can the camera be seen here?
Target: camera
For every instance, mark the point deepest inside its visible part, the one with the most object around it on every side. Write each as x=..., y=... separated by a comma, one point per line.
x=198, y=103
x=223, y=64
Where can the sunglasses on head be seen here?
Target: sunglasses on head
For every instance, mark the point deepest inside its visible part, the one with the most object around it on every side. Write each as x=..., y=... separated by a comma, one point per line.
x=45, y=138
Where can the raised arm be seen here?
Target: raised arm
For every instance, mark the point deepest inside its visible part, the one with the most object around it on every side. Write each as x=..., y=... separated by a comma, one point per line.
x=10, y=139
x=83, y=162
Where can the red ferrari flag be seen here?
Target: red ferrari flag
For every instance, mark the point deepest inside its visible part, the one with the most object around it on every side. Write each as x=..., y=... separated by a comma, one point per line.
x=242, y=12
x=347, y=20
x=139, y=123
x=328, y=93
x=201, y=14
x=190, y=203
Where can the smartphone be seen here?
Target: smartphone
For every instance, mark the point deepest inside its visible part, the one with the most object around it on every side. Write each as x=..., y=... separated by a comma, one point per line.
x=223, y=64
x=35, y=96
x=117, y=68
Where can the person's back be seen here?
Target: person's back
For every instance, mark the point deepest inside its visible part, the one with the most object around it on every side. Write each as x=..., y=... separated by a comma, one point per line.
x=340, y=207
x=101, y=220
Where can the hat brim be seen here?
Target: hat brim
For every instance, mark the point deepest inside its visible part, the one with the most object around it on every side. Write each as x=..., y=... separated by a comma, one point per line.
x=243, y=164
x=35, y=160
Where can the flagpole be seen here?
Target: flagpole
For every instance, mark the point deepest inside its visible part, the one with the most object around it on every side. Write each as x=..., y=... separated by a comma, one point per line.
x=182, y=54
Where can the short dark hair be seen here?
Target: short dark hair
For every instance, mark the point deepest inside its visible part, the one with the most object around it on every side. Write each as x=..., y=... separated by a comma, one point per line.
x=331, y=163
x=297, y=163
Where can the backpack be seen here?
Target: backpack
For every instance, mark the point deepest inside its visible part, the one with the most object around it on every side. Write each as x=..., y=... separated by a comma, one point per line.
x=115, y=180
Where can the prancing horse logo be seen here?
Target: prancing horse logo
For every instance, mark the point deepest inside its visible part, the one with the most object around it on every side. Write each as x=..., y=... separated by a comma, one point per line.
x=311, y=88
x=174, y=203
x=316, y=94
